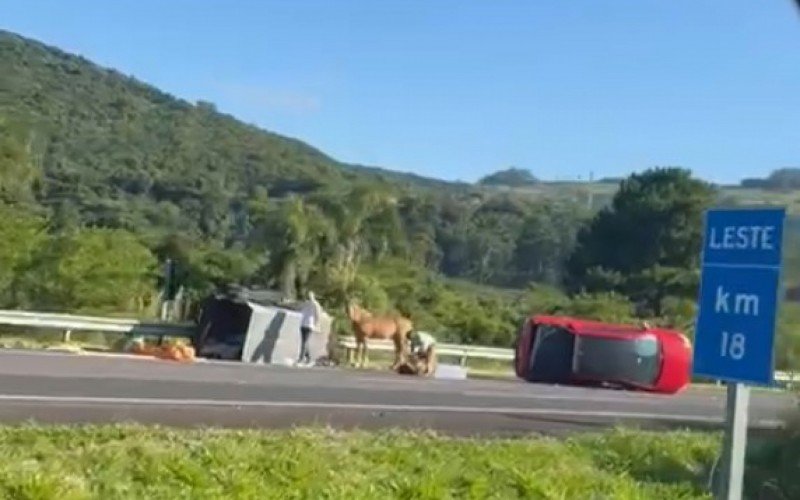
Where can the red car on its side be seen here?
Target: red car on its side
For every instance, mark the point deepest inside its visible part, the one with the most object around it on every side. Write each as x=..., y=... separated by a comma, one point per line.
x=562, y=350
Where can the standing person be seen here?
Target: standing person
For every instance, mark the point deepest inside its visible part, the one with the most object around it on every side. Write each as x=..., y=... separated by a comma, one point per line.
x=423, y=348
x=309, y=322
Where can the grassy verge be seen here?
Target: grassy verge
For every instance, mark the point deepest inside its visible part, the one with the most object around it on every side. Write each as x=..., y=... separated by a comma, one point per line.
x=94, y=341
x=15, y=342
x=143, y=462
x=29, y=338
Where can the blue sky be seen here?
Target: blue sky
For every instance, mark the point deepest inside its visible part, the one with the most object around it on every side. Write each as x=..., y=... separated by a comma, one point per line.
x=457, y=89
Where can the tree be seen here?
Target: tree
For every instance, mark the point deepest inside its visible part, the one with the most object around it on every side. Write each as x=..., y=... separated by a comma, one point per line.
x=296, y=249
x=545, y=299
x=680, y=313
x=653, y=285
x=282, y=233
x=420, y=218
x=365, y=220
x=478, y=236
x=608, y=307
x=21, y=236
x=18, y=173
x=544, y=243
x=650, y=234
x=22, y=228
x=513, y=177
x=92, y=270
x=787, y=338
x=212, y=267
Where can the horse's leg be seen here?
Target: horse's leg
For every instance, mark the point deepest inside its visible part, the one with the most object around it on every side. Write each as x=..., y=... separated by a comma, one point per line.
x=398, y=351
x=431, y=361
x=353, y=354
x=357, y=354
x=365, y=360
x=405, y=348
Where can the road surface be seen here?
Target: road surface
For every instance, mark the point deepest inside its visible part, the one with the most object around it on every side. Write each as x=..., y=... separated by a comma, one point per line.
x=68, y=388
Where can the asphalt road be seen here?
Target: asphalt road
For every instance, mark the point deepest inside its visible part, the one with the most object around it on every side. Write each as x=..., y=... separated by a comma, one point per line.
x=67, y=388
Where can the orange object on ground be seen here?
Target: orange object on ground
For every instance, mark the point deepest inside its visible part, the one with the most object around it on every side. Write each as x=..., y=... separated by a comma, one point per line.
x=175, y=352
x=188, y=352
x=144, y=349
x=171, y=351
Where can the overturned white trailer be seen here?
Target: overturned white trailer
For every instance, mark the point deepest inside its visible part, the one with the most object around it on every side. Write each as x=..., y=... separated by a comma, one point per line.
x=235, y=328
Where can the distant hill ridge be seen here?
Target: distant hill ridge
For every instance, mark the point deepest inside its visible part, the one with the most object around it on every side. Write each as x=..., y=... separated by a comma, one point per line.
x=111, y=130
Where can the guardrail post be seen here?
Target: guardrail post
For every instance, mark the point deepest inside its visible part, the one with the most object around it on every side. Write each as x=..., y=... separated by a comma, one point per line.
x=463, y=359
x=65, y=337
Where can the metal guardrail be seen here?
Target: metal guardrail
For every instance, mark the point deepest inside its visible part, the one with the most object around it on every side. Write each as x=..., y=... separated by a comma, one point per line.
x=787, y=379
x=68, y=323
x=464, y=352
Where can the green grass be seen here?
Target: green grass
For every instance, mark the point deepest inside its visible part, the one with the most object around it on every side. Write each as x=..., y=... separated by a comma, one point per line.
x=94, y=341
x=35, y=342
x=120, y=462
x=31, y=338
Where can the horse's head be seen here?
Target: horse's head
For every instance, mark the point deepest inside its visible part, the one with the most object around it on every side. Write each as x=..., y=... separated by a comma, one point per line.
x=357, y=313
x=353, y=311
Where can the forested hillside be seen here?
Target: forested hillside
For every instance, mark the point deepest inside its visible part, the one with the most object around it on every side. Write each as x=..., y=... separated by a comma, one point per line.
x=103, y=178
x=118, y=153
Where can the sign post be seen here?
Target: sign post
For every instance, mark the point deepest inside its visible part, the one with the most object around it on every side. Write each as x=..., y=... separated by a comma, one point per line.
x=168, y=293
x=735, y=335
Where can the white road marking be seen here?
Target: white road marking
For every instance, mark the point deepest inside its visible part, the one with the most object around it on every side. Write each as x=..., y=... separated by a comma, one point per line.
x=404, y=382
x=89, y=400
x=597, y=395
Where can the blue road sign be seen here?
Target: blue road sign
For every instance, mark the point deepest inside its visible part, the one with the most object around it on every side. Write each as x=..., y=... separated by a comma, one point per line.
x=741, y=267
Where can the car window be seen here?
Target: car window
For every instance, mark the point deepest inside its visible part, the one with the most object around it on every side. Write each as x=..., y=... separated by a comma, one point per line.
x=646, y=346
x=618, y=359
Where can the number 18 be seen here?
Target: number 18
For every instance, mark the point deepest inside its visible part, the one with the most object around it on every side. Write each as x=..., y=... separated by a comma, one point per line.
x=732, y=345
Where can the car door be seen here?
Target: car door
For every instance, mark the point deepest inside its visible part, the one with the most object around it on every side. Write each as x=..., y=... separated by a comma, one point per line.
x=632, y=361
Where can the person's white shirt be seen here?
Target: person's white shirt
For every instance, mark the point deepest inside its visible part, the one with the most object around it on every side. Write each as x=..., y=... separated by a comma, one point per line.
x=422, y=341
x=310, y=313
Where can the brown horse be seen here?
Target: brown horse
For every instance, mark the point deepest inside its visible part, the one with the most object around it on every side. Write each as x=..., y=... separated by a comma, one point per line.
x=366, y=326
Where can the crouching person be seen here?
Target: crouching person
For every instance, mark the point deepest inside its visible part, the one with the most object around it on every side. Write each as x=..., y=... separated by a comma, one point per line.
x=423, y=352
